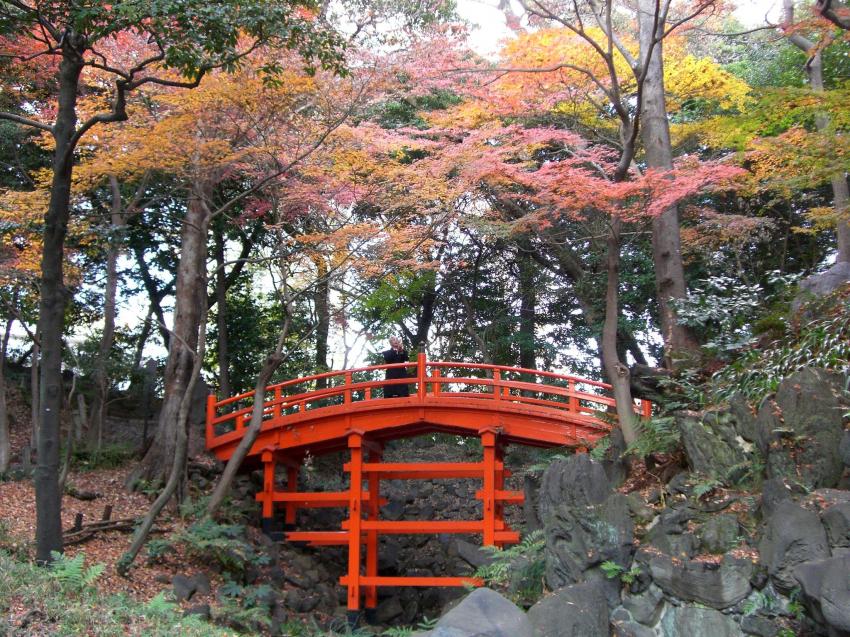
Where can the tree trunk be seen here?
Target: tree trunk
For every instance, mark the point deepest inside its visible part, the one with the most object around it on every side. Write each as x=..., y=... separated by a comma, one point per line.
x=322, y=304
x=526, y=282
x=666, y=237
x=194, y=359
x=271, y=364
x=155, y=295
x=222, y=346
x=840, y=192
x=51, y=316
x=35, y=396
x=101, y=373
x=5, y=437
x=618, y=373
x=190, y=298
x=144, y=335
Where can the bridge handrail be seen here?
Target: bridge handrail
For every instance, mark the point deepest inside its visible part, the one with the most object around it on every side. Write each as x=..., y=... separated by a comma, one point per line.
x=275, y=401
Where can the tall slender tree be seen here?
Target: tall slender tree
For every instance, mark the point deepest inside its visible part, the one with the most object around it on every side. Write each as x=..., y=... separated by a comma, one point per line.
x=181, y=41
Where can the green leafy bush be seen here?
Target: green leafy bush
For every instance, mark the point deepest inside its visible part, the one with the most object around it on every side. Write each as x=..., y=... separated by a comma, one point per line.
x=722, y=310
x=63, y=600
x=823, y=341
x=613, y=570
x=519, y=569
x=655, y=435
x=222, y=544
x=72, y=574
x=107, y=457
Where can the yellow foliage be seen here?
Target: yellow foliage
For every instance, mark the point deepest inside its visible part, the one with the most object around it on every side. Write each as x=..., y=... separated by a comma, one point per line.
x=691, y=78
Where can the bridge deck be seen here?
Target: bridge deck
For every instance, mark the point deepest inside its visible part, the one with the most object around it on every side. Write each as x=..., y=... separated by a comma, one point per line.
x=348, y=410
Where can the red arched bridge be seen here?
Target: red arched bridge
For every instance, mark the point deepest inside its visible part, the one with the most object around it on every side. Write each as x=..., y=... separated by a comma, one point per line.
x=347, y=410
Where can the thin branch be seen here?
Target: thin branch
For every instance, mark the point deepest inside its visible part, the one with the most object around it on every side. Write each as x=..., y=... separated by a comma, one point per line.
x=25, y=121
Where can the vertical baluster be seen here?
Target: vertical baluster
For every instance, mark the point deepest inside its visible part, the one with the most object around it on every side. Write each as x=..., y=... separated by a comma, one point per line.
x=574, y=404
x=347, y=398
x=278, y=399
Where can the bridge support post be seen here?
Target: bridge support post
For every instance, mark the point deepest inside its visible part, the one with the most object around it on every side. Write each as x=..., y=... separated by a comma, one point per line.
x=488, y=493
x=355, y=508
x=291, y=487
x=376, y=454
x=499, y=521
x=267, y=495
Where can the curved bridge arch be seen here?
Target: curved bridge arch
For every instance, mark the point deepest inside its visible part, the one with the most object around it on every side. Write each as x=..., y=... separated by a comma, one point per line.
x=524, y=406
x=347, y=409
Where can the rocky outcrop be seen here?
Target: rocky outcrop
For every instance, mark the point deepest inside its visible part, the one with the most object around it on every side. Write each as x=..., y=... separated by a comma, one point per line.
x=712, y=444
x=716, y=585
x=801, y=430
x=697, y=621
x=590, y=526
x=573, y=611
x=482, y=613
x=793, y=535
x=820, y=285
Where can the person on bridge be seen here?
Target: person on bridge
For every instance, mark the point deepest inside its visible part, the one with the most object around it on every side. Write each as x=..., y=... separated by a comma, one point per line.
x=396, y=354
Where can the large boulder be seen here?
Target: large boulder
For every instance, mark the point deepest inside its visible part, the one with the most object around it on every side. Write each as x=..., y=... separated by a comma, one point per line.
x=836, y=522
x=820, y=285
x=825, y=585
x=574, y=611
x=645, y=607
x=720, y=533
x=575, y=481
x=801, y=430
x=793, y=535
x=716, y=585
x=835, y=593
x=844, y=449
x=580, y=538
x=670, y=533
x=696, y=621
x=711, y=443
x=482, y=613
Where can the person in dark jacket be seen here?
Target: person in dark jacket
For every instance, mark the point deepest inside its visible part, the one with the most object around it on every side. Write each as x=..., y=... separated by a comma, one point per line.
x=396, y=354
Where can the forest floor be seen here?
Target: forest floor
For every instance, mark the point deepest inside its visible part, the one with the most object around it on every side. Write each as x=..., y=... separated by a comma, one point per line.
x=18, y=521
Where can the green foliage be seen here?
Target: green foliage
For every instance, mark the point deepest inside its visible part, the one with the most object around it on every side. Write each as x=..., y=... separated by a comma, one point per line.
x=404, y=112
x=613, y=570
x=704, y=486
x=253, y=323
x=659, y=434
x=722, y=309
x=71, y=573
x=406, y=631
x=550, y=456
x=795, y=606
x=600, y=449
x=242, y=610
x=822, y=341
x=519, y=569
x=761, y=600
x=109, y=456
x=64, y=601
x=223, y=544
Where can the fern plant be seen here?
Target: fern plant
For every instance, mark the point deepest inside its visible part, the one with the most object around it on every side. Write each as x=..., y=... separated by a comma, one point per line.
x=160, y=606
x=71, y=573
x=655, y=435
x=520, y=566
x=613, y=570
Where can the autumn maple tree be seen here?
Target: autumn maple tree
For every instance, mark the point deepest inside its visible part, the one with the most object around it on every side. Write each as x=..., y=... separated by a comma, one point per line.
x=177, y=43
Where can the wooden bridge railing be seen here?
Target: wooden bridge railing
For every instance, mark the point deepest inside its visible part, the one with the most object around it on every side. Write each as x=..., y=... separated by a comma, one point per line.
x=432, y=380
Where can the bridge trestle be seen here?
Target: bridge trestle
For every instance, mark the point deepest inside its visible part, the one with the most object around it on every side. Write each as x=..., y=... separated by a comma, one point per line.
x=364, y=526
